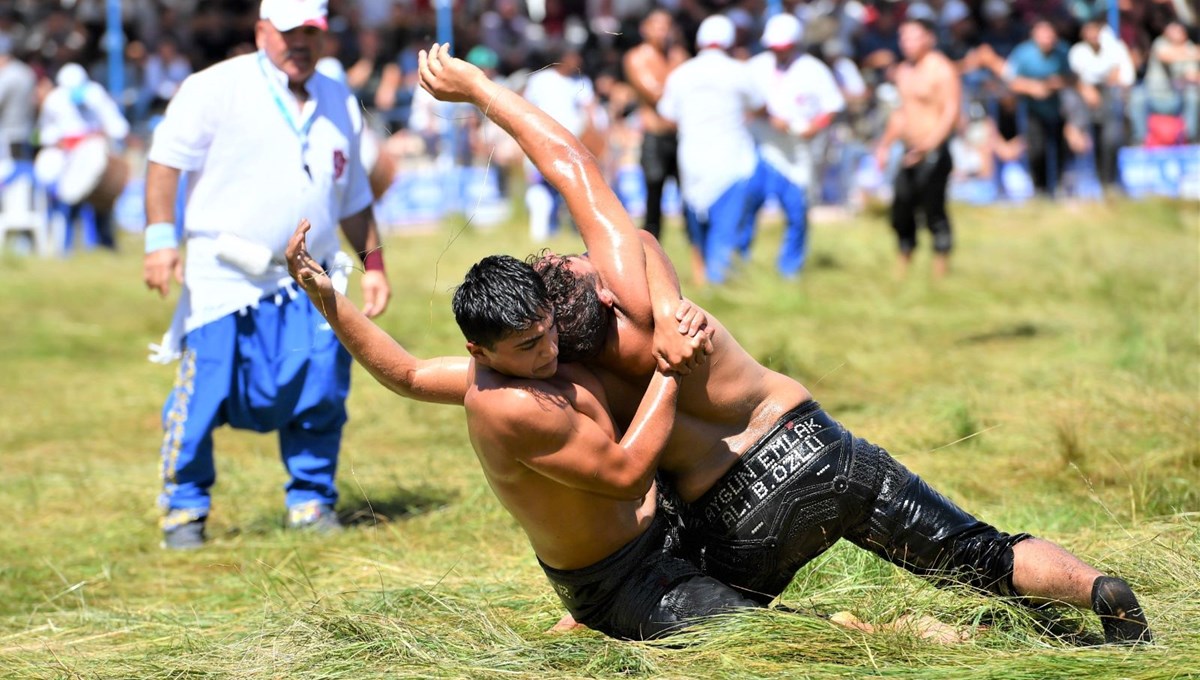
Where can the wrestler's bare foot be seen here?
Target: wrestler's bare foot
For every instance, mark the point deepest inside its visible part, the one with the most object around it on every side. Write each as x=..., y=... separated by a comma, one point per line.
x=566, y=624
x=941, y=266
x=848, y=620
x=924, y=627
x=929, y=628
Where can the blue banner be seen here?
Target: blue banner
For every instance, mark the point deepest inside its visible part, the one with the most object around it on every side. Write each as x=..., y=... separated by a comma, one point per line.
x=1172, y=171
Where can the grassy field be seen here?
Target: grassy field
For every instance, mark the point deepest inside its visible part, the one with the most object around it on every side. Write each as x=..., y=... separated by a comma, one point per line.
x=1051, y=385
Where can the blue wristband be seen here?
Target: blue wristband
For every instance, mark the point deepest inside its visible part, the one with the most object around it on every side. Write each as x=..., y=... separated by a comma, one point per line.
x=160, y=235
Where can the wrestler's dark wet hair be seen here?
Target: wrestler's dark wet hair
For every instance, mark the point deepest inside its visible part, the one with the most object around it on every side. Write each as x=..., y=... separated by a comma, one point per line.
x=581, y=318
x=500, y=295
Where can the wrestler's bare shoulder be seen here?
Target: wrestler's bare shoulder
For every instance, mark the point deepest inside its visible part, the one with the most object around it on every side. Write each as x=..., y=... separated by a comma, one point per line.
x=936, y=64
x=514, y=399
x=903, y=74
x=644, y=55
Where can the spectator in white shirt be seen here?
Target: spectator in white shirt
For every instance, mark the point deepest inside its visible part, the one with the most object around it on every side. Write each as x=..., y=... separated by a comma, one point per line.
x=1104, y=72
x=709, y=98
x=802, y=98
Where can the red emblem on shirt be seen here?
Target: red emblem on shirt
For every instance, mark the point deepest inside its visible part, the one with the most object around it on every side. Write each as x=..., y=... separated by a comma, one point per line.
x=339, y=163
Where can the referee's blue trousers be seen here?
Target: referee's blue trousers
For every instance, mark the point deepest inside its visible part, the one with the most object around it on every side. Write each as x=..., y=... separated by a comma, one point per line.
x=718, y=235
x=793, y=199
x=277, y=366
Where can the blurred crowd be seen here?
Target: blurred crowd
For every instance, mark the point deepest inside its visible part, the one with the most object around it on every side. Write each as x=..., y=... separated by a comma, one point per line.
x=1137, y=85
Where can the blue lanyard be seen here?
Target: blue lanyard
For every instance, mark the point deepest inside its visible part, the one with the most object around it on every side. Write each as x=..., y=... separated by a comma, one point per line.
x=301, y=131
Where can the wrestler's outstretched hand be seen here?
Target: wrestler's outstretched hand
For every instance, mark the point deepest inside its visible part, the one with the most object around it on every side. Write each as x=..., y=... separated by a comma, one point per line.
x=307, y=272
x=448, y=78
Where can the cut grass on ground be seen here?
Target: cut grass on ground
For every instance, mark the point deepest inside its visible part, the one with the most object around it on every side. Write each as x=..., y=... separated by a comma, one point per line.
x=1051, y=385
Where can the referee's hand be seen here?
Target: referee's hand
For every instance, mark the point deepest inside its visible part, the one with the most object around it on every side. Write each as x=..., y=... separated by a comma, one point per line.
x=159, y=267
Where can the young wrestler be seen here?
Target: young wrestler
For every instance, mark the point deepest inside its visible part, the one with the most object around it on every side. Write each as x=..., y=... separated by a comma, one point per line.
x=769, y=480
x=548, y=445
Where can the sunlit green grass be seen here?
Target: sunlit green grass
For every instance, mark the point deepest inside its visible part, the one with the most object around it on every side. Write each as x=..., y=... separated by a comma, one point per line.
x=1050, y=385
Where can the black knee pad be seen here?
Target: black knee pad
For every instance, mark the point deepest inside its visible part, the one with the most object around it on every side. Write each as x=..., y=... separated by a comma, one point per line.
x=943, y=239
x=927, y=534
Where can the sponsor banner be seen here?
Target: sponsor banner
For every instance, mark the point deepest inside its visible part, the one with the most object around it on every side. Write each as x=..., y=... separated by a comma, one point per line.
x=1172, y=171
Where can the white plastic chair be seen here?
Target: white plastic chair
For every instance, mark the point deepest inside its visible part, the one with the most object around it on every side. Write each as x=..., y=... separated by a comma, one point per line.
x=24, y=209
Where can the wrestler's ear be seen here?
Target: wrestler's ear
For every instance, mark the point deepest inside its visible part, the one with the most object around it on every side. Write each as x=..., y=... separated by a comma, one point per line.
x=479, y=353
x=606, y=297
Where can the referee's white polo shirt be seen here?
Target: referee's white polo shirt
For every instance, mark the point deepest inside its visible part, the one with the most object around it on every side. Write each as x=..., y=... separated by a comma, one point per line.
x=708, y=98
x=252, y=174
x=247, y=171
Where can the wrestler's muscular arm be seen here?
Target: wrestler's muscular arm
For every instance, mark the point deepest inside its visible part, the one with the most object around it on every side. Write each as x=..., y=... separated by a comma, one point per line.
x=611, y=239
x=442, y=380
x=607, y=231
x=673, y=315
x=572, y=449
x=896, y=121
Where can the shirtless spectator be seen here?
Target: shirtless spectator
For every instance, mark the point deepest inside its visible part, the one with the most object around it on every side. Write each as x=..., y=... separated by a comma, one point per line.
x=930, y=92
x=646, y=68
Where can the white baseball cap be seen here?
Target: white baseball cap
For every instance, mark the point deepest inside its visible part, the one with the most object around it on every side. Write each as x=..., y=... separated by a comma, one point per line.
x=71, y=76
x=715, y=31
x=287, y=15
x=782, y=30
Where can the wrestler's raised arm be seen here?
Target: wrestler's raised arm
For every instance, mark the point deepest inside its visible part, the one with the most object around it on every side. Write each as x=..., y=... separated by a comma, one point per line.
x=441, y=380
x=609, y=234
x=674, y=317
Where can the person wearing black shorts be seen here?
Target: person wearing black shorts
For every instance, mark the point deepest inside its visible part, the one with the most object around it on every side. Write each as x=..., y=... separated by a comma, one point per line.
x=921, y=188
x=645, y=590
x=647, y=66
x=930, y=98
x=809, y=482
